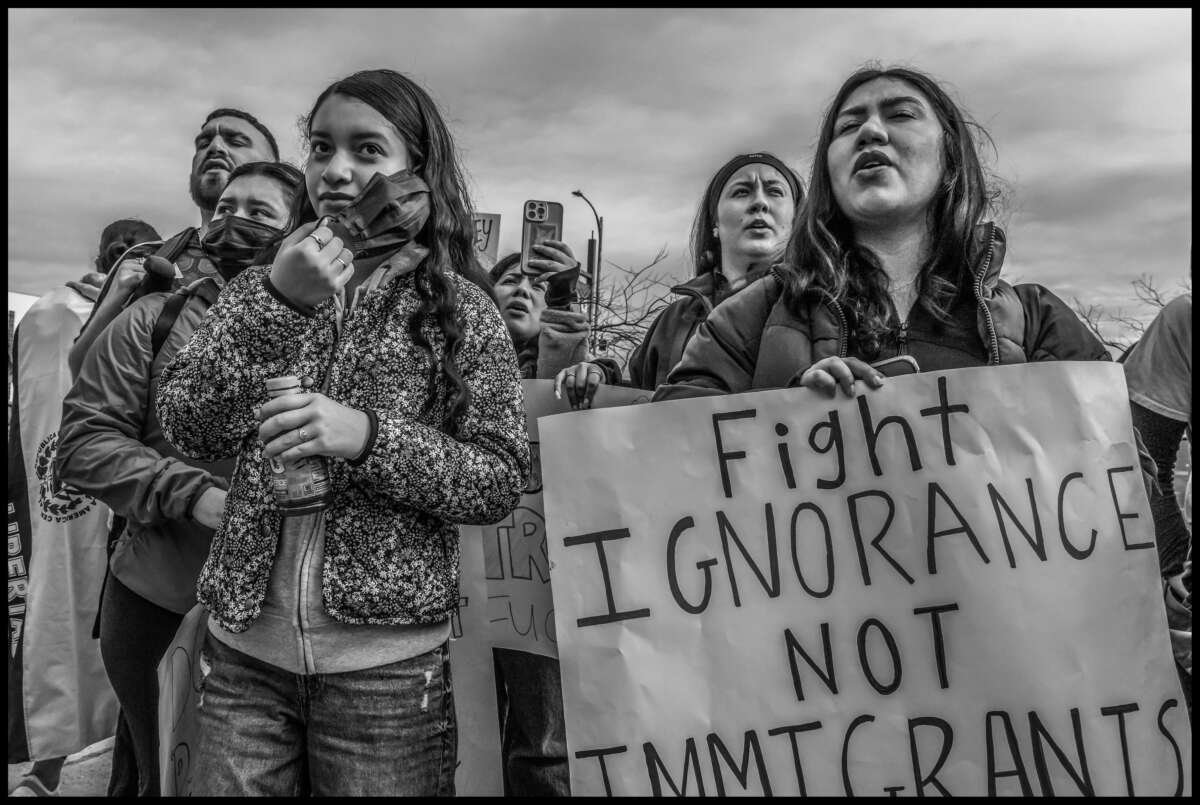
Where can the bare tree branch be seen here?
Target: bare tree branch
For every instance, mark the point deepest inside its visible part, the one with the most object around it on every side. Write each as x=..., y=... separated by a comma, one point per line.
x=1117, y=329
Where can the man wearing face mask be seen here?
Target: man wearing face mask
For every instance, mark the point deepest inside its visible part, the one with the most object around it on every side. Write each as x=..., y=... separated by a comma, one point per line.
x=112, y=447
x=227, y=139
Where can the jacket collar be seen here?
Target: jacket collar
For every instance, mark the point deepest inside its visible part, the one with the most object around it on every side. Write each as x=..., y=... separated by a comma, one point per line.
x=713, y=286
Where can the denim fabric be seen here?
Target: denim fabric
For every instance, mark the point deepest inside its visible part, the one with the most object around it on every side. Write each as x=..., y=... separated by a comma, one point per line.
x=383, y=731
x=533, y=734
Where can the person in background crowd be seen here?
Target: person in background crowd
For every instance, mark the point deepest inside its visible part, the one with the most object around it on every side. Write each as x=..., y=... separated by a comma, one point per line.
x=54, y=317
x=891, y=256
x=740, y=231
x=1158, y=370
x=112, y=447
x=228, y=138
x=549, y=337
x=328, y=631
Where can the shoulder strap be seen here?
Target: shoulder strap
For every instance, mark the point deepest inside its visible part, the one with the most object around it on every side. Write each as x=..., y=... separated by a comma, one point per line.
x=205, y=289
x=174, y=247
x=166, y=320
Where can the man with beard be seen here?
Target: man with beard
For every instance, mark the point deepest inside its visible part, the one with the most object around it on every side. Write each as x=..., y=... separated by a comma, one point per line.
x=228, y=138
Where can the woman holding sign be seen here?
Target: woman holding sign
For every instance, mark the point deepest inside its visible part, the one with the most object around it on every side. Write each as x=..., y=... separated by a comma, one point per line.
x=891, y=256
x=328, y=653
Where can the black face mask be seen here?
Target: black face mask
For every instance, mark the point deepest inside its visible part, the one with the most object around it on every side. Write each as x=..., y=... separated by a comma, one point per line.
x=386, y=215
x=233, y=241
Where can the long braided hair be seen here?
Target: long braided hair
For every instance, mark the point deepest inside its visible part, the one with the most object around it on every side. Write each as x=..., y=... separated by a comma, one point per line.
x=822, y=253
x=449, y=231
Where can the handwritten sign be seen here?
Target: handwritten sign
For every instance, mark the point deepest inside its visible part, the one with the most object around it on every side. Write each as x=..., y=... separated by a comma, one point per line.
x=487, y=234
x=520, y=604
x=947, y=586
x=179, y=684
x=474, y=681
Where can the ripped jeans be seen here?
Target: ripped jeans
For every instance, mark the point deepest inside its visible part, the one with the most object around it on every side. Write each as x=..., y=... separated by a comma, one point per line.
x=383, y=731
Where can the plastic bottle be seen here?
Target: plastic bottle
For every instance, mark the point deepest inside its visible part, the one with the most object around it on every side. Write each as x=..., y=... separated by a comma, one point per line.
x=300, y=487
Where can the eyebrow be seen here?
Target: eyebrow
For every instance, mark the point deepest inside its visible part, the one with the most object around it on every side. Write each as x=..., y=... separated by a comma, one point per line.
x=215, y=129
x=886, y=103
x=354, y=136
x=747, y=183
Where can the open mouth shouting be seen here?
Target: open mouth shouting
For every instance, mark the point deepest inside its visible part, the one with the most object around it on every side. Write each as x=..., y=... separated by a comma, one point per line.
x=870, y=163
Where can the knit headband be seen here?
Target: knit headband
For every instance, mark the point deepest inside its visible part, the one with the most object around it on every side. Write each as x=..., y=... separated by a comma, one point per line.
x=758, y=158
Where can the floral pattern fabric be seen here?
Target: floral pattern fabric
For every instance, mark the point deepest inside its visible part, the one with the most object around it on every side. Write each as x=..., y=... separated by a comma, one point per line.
x=391, y=553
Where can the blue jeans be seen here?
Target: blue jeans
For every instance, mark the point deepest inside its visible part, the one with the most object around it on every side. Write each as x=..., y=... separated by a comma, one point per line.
x=533, y=733
x=383, y=731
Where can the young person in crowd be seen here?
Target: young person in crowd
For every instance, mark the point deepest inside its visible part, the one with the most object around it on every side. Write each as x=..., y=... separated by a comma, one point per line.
x=1158, y=370
x=741, y=228
x=891, y=256
x=328, y=630
x=548, y=333
x=46, y=331
x=549, y=336
x=228, y=138
x=112, y=447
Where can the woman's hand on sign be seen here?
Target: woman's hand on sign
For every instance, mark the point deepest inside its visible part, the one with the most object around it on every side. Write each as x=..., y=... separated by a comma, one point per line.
x=829, y=374
x=311, y=265
x=310, y=424
x=580, y=382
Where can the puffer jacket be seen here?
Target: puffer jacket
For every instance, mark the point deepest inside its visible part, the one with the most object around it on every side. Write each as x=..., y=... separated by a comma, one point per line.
x=663, y=345
x=112, y=447
x=391, y=546
x=755, y=341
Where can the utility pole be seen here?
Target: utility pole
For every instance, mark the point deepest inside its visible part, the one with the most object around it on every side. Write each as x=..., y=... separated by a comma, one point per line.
x=594, y=270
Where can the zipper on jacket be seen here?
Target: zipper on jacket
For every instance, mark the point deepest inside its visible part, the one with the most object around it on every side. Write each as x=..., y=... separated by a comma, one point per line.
x=994, y=346
x=902, y=338
x=303, y=623
x=843, y=326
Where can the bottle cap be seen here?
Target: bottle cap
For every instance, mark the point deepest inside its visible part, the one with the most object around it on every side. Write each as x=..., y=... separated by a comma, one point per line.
x=282, y=383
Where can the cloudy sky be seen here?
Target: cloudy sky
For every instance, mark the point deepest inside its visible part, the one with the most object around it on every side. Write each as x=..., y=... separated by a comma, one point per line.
x=1090, y=111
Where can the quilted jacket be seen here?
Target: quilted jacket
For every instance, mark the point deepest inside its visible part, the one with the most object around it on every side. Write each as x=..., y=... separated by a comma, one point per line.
x=391, y=549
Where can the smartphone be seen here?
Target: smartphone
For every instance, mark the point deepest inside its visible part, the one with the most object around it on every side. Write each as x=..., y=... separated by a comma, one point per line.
x=541, y=222
x=899, y=365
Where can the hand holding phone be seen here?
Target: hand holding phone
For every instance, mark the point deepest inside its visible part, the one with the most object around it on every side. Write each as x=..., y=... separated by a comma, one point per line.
x=542, y=222
x=899, y=365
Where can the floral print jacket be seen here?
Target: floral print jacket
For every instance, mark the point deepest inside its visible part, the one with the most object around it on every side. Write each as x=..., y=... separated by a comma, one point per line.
x=391, y=545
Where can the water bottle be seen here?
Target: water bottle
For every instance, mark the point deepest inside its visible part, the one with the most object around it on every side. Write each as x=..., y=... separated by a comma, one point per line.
x=301, y=487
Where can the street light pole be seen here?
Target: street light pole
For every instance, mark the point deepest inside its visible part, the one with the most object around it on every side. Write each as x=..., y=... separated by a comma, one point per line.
x=595, y=279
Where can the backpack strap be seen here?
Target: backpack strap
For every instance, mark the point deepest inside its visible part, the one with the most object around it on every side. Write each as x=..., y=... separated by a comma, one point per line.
x=174, y=247
x=206, y=289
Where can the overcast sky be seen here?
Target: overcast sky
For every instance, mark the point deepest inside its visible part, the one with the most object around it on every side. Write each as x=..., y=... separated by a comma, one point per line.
x=1090, y=111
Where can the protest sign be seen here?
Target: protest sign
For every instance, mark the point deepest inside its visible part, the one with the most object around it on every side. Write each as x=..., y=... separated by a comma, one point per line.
x=59, y=698
x=473, y=681
x=179, y=677
x=520, y=605
x=946, y=586
x=487, y=234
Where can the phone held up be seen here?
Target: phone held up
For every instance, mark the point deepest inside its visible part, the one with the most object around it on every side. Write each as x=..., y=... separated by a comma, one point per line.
x=541, y=222
x=899, y=365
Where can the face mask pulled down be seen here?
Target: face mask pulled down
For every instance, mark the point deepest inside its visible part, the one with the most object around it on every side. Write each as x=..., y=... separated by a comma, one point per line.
x=232, y=243
x=385, y=217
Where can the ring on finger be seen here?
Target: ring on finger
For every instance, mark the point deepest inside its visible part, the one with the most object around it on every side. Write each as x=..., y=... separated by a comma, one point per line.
x=303, y=434
x=339, y=260
x=320, y=243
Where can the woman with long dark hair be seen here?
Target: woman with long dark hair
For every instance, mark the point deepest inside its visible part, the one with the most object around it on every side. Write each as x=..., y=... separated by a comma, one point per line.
x=328, y=642
x=891, y=255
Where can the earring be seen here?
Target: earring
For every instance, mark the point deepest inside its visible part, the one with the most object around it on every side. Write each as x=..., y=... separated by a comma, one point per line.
x=716, y=234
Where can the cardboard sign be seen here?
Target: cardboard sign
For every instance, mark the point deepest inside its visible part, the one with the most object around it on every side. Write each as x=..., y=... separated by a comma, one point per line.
x=946, y=586
x=520, y=604
x=487, y=234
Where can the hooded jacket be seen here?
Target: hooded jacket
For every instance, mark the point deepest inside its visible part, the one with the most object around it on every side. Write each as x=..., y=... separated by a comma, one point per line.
x=391, y=545
x=756, y=341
